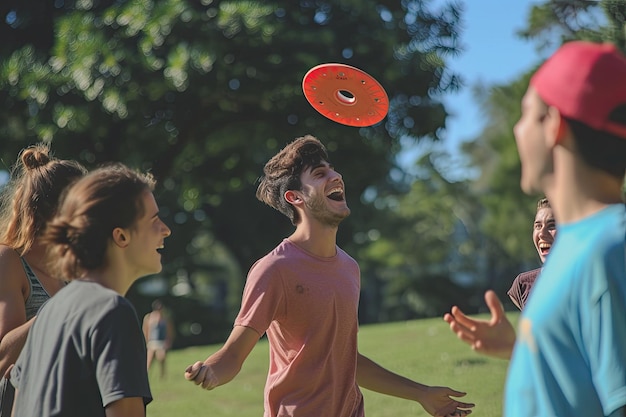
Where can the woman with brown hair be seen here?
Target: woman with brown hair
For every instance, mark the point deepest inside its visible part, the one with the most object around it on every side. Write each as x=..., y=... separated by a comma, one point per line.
x=27, y=202
x=85, y=354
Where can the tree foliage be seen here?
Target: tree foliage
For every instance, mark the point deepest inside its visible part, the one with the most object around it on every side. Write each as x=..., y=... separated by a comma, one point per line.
x=508, y=213
x=203, y=92
x=423, y=258
x=557, y=21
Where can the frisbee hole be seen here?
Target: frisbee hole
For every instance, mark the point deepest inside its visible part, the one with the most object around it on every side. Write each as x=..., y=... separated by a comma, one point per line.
x=346, y=97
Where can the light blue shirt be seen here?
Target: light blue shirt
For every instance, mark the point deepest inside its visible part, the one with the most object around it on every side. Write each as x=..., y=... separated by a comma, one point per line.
x=570, y=355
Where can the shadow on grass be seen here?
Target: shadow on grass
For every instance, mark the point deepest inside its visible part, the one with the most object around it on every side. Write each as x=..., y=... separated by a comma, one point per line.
x=470, y=362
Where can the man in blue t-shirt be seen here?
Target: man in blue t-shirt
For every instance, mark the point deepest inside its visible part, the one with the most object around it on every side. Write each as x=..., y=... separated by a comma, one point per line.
x=569, y=356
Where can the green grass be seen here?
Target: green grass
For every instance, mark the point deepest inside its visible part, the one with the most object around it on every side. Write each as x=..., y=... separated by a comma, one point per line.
x=423, y=350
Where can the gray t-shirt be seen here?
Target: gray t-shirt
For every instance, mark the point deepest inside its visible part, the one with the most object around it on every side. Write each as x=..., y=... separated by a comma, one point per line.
x=84, y=351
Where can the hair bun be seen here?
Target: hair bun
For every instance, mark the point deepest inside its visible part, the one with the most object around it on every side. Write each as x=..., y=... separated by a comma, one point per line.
x=35, y=156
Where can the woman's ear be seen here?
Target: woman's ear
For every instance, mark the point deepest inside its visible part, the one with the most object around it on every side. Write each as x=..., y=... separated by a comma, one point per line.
x=293, y=197
x=121, y=237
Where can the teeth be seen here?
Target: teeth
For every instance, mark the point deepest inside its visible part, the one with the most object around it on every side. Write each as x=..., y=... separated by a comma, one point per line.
x=335, y=190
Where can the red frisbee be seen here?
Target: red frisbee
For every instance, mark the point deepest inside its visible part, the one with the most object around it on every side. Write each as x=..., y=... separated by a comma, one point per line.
x=345, y=94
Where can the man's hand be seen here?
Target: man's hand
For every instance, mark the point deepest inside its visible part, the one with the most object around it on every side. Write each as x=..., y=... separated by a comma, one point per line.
x=494, y=337
x=201, y=374
x=438, y=402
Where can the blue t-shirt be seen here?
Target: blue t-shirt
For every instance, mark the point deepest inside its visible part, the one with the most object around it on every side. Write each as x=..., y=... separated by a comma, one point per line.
x=570, y=355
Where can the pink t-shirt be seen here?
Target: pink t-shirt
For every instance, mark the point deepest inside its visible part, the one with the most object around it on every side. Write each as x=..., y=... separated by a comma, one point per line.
x=308, y=306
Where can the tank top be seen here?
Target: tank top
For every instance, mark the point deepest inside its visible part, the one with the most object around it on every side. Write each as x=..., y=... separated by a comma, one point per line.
x=158, y=330
x=38, y=294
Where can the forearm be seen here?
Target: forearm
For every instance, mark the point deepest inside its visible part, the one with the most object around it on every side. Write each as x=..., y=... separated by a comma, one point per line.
x=373, y=377
x=12, y=344
x=126, y=407
x=224, y=365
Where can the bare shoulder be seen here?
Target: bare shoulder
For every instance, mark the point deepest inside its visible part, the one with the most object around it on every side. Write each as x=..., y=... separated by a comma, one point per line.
x=11, y=271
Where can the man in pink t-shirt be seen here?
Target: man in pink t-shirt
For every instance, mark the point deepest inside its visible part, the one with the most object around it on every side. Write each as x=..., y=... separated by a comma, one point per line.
x=304, y=295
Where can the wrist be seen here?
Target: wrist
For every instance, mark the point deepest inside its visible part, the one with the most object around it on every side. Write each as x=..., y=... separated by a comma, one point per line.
x=210, y=380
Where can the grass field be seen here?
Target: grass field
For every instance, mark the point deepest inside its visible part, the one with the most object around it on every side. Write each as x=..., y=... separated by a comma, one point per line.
x=423, y=350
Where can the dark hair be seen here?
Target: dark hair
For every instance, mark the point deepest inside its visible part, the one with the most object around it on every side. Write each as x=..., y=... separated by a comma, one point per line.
x=107, y=198
x=31, y=196
x=602, y=150
x=543, y=203
x=282, y=173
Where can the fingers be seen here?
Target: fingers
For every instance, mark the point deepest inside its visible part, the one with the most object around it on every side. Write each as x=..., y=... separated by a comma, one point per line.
x=201, y=374
x=461, y=318
x=462, y=332
x=459, y=404
x=459, y=323
x=455, y=393
x=495, y=306
x=192, y=371
x=459, y=413
x=460, y=409
x=465, y=405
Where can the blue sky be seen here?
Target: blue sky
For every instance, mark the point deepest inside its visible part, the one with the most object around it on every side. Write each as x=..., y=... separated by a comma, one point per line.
x=492, y=54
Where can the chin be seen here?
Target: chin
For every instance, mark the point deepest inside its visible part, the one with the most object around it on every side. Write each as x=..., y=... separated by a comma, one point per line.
x=152, y=271
x=530, y=186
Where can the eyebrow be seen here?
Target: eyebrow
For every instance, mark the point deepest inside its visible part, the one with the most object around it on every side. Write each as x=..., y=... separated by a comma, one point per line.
x=322, y=165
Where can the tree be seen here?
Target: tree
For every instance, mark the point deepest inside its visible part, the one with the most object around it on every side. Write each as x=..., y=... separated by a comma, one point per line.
x=202, y=93
x=423, y=257
x=557, y=21
x=508, y=212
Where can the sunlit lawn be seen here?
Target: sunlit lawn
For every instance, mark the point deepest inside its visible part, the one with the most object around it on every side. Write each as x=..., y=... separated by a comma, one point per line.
x=423, y=350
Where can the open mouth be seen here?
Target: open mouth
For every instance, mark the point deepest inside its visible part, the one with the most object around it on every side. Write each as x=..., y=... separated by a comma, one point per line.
x=336, y=194
x=544, y=247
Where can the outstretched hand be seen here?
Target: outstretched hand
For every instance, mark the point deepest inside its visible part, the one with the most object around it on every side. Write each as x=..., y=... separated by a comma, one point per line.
x=438, y=402
x=494, y=337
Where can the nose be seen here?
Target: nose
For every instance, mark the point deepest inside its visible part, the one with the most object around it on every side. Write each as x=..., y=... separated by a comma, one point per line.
x=336, y=176
x=166, y=230
x=545, y=231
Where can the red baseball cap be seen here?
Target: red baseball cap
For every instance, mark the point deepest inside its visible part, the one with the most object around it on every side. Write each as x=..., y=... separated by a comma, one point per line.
x=585, y=81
